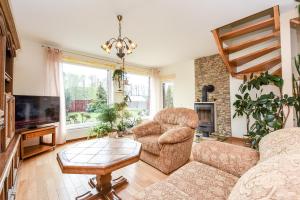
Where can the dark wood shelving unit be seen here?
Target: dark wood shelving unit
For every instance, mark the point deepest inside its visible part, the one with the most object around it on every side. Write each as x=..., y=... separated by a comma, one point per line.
x=9, y=139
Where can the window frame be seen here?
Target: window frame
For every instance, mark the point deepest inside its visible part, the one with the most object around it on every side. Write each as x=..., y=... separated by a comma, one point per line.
x=163, y=89
x=109, y=93
x=149, y=90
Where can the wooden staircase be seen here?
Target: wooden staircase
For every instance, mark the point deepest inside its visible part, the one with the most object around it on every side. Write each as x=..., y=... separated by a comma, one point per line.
x=252, y=44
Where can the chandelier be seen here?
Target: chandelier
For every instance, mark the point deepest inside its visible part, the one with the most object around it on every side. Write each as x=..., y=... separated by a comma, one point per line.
x=123, y=45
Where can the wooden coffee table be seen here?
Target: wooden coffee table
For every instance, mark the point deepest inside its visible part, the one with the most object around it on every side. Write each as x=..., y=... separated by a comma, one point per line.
x=100, y=157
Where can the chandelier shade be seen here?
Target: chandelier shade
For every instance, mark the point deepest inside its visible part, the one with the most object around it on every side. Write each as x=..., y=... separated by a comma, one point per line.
x=122, y=45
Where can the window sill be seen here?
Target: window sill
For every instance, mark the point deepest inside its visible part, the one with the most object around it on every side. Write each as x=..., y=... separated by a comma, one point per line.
x=81, y=126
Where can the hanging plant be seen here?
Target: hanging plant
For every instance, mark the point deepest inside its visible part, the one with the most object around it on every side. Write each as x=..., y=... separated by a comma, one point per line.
x=267, y=110
x=296, y=89
x=119, y=75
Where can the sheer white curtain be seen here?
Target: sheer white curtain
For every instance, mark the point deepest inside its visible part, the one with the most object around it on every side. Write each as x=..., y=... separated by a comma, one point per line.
x=154, y=92
x=54, y=87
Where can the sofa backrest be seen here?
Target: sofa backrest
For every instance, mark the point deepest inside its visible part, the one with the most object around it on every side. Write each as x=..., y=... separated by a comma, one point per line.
x=278, y=142
x=277, y=175
x=177, y=117
x=276, y=178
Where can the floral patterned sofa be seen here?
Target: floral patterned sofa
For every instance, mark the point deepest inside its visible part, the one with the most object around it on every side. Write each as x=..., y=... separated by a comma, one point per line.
x=167, y=139
x=226, y=171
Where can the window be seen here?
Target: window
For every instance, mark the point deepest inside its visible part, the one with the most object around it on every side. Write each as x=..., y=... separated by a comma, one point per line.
x=138, y=89
x=86, y=89
x=167, y=89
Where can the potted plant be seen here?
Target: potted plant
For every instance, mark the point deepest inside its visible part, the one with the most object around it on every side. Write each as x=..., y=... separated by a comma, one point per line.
x=267, y=109
x=108, y=114
x=101, y=130
x=119, y=75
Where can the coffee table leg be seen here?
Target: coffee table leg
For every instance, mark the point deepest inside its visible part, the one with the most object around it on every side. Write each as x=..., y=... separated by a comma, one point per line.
x=117, y=182
x=103, y=186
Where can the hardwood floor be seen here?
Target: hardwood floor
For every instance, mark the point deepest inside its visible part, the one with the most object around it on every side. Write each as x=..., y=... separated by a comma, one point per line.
x=40, y=178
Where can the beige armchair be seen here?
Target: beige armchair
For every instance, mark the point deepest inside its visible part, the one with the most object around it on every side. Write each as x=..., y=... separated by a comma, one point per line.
x=167, y=140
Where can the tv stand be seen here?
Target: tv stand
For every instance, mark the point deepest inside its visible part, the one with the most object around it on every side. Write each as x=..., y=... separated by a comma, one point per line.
x=29, y=151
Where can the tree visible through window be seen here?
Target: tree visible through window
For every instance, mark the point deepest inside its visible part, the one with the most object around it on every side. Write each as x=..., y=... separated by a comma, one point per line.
x=138, y=90
x=86, y=89
x=168, y=95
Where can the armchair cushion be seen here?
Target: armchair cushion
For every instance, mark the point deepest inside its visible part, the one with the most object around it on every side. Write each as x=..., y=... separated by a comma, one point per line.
x=230, y=158
x=150, y=144
x=176, y=135
x=146, y=128
x=280, y=141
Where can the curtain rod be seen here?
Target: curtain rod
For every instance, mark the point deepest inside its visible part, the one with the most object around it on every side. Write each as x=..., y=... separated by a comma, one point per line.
x=80, y=54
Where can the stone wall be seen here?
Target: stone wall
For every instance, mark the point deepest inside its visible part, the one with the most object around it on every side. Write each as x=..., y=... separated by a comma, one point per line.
x=211, y=70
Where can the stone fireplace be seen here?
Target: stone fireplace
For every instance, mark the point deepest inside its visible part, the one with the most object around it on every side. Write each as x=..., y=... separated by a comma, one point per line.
x=211, y=70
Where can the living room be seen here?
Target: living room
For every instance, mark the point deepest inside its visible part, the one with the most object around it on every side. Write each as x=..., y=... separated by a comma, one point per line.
x=149, y=99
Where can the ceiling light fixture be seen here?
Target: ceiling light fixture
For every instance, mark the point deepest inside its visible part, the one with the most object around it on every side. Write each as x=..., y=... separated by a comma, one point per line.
x=123, y=45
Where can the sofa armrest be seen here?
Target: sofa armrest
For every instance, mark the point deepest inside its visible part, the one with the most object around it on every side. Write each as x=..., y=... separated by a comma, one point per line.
x=176, y=135
x=146, y=128
x=230, y=158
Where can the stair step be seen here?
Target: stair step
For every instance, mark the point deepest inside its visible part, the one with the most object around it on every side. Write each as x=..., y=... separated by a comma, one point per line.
x=248, y=29
x=295, y=22
x=249, y=43
x=262, y=66
x=277, y=72
x=252, y=56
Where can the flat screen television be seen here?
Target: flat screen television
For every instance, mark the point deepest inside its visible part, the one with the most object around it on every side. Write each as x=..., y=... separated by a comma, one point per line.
x=33, y=111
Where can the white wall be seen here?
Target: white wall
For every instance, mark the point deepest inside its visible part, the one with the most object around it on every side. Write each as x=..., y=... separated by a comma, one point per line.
x=29, y=69
x=287, y=56
x=184, y=83
x=238, y=125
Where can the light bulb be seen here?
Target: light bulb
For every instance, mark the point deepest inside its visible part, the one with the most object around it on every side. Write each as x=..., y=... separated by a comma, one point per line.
x=133, y=45
x=108, y=48
x=119, y=44
x=103, y=46
x=129, y=51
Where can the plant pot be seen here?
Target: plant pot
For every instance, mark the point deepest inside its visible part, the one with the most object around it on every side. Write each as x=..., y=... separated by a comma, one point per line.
x=113, y=134
x=121, y=133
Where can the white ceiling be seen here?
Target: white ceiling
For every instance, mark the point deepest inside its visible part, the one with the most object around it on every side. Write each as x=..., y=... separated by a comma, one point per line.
x=166, y=31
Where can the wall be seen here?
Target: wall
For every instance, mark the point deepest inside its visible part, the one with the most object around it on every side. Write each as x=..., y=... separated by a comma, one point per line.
x=211, y=70
x=184, y=83
x=287, y=56
x=29, y=71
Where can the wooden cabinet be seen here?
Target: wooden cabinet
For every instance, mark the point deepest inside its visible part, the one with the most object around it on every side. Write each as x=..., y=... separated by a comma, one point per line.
x=9, y=164
x=9, y=140
x=9, y=119
x=42, y=146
